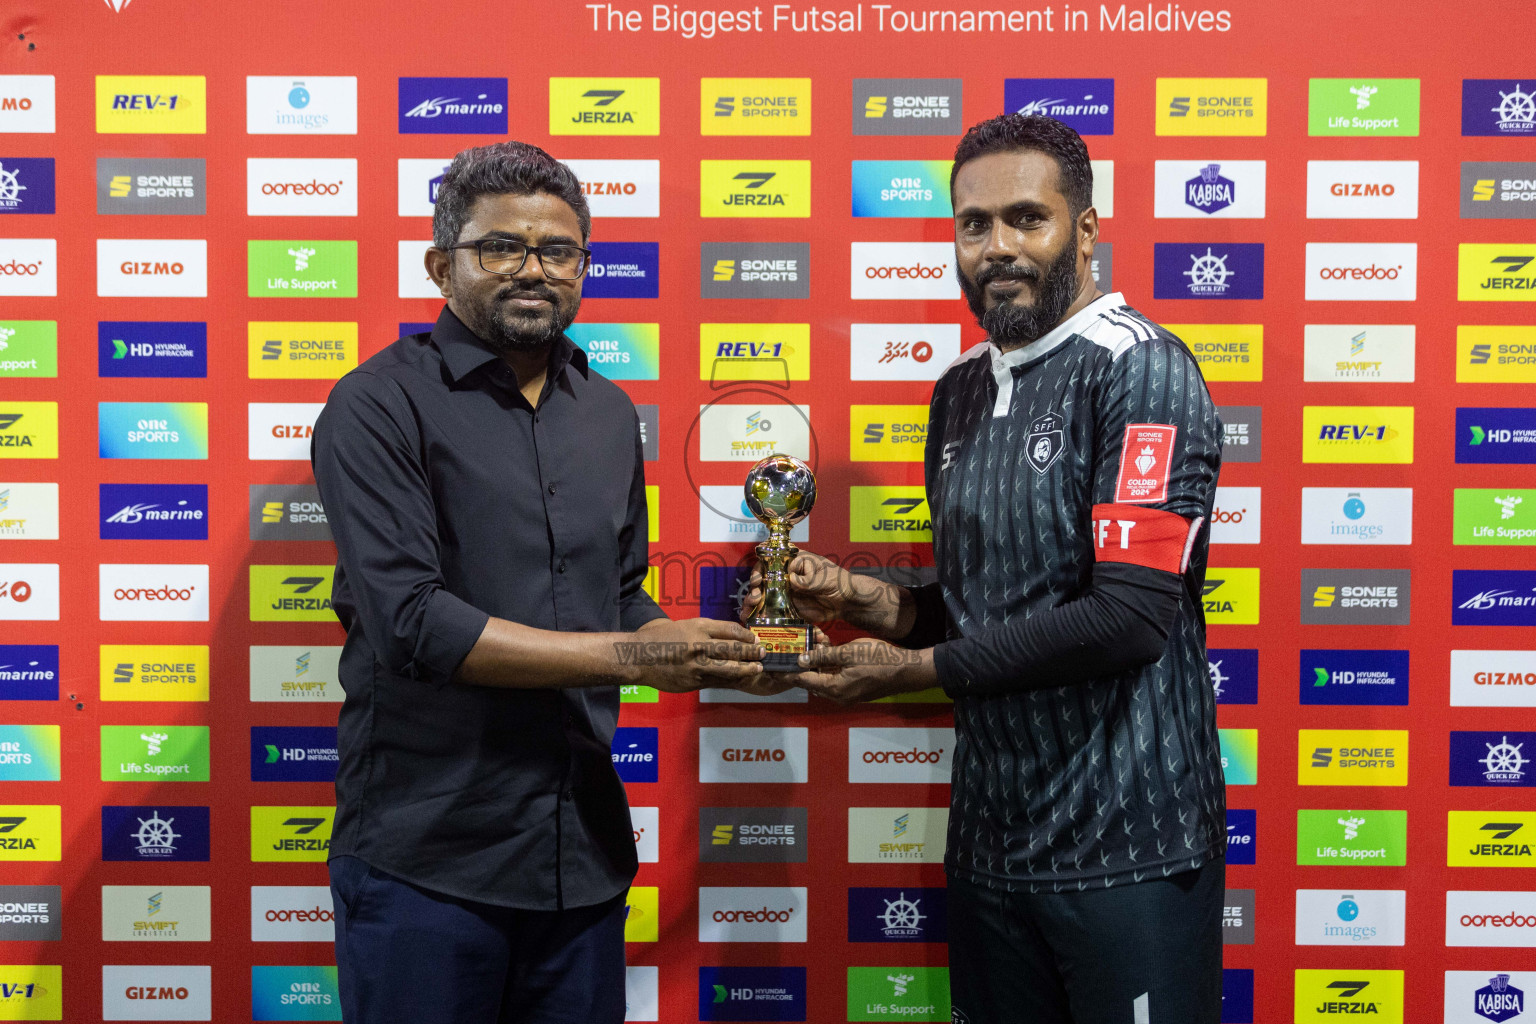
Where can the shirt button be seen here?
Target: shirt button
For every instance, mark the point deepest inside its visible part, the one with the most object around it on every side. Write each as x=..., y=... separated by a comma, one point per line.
x=551, y=488
x=568, y=794
x=560, y=567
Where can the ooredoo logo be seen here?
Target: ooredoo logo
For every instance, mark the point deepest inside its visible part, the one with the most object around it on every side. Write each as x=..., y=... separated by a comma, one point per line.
x=301, y=188
x=29, y=266
x=752, y=914
x=292, y=913
x=1237, y=515
x=154, y=593
x=903, y=270
x=1350, y=271
x=1490, y=918
x=900, y=755
x=753, y=755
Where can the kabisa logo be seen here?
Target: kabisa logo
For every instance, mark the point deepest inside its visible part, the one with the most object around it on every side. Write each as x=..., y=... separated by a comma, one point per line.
x=1493, y=597
x=754, y=270
x=1496, y=273
x=752, y=914
x=1359, y=106
x=897, y=915
x=1210, y=192
x=1498, y=516
x=157, y=834
x=1354, y=677
x=887, y=433
x=1495, y=354
x=311, y=350
x=1212, y=106
x=127, y=185
x=604, y=106
x=154, y=672
x=301, y=269
x=29, y=672
x=1361, y=917
x=1498, y=106
x=307, y=105
x=1472, y=997
x=154, y=511
x=1224, y=189
x=1234, y=675
x=1352, y=757
x=635, y=755
x=30, y=832
x=754, y=755
x=623, y=270
x=287, y=512
x=1242, y=836
x=1492, y=758
x=1086, y=105
x=1362, y=271
x=1324, y=995
x=295, y=993
x=901, y=188
x=1482, y=839
x=1377, y=597
x=291, y=593
x=1365, y=515
x=1357, y=433
x=907, y=106
x=291, y=833
x=293, y=753
x=775, y=352
x=151, y=104
x=753, y=834
x=152, y=430
x=27, y=104
x=1233, y=270
x=26, y=184
x=1231, y=596
x=1496, y=436
x=453, y=106
x=136, y=348
x=893, y=514
x=902, y=270
x=748, y=993
x=755, y=106
x=900, y=755
x=1352, y=837
x=754, y=188
x=1498, y=190
x=280, y=187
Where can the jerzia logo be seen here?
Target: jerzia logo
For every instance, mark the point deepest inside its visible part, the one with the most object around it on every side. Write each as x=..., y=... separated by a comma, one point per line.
x=755, y=188
x=604, y=106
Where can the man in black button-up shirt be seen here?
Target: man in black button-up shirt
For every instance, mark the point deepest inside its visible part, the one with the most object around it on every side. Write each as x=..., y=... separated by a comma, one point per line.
x=486, y=490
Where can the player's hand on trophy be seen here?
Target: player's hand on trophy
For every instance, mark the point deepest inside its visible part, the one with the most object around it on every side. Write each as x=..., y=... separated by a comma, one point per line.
x=690, y=654
x=822, y=591
x=865, y=669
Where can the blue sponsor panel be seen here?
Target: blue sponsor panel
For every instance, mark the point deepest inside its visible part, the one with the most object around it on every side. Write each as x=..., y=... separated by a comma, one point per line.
x=721, y=589
x=751, y=993
x=1494, y=759
x=1236, y=996
x=26, y=184
x=1242, y=836
x=1496, y=436
x=1087, y=105
x=453, y=106
x=1493, y=597
x=157, y=833
x=901, y=188
x=1354, y=677
x=1208, y=270
x=635, y=754
x=154, y=511
x=29, y=672
x=623, y=270
x=1234, y=674
x=295, y=993
x=897, y=914
x=296, y=753
x=151, y=348
x=406, y=329
x=1498, y=106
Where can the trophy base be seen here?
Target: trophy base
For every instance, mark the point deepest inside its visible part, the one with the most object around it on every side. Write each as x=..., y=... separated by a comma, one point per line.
x=782, y=646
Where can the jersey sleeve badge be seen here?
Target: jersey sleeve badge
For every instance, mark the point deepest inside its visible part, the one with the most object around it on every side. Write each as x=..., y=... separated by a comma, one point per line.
x=1146, y=455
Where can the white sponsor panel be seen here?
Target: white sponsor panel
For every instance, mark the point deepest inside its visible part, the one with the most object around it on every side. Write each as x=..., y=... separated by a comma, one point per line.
x=723, y=517
x=1349, y=353
x=1474, y=918
x=300, y=188
x=412, y=271
x=620, y=188
x=647, y=828
x=1357, y=515
x=280, y=430
x=1103, y=198
x=642, y=993
x=29, y=511
x=417, y=182
x=29, y=266
x=298, y=674
x=292, y=913
x=152, y=268
x=750, y=913
x=770, y=754
x=1493, y=679
x=901, y=351
x=29, y=592
x=900, y=755
x=156, y=992
x=153, y=592
x=727, y=695
x=1236, y=516
x=1351, y=917
x=914, y=835
x=1497, y=994
x=156, y=913
x=1209, y=189
x=1362, y=271
x=26, y=104
x=747, y=432
x=903, y=270
x=300, y=105
x=1363, y=189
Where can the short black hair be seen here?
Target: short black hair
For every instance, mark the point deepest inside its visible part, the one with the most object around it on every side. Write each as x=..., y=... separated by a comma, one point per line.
x=1008, y=132
x=502, y=168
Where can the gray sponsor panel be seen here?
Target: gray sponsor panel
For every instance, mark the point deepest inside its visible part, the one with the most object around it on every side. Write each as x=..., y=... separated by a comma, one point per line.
x=1355, y=597
x=1498, y=190
x=907, y=106
x=1237, y=918
x=650, y=431
x=154, y=185
x=739, y=835
x=1242, y=438
x=1102, y=266
x=288, y=512
x=31, y=913
x=755, y=270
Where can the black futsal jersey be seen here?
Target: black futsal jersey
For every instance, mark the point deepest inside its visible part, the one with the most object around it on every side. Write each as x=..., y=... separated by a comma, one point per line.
x=1098, y=443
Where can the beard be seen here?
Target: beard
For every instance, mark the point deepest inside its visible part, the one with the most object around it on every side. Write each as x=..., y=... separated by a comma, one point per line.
x=1010, y=324
x=507, y=328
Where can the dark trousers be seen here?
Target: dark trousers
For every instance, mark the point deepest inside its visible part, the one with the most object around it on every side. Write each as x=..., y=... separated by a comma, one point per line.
x=405, y=953
x=1140, y=953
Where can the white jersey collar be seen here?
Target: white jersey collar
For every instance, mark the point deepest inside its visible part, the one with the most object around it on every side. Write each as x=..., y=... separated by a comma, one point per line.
x=1004, y=362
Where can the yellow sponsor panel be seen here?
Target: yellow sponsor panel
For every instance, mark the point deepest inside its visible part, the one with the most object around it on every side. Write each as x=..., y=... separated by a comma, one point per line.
x=29, y=430
x=605, y=106
x=154, y=672
x=933, y=696
x=898, y=514
x=887, y=433
x=754, y=188
x=653, y=583
x=1357, y=433
x=151, y=104
x=755, y=106
x=1324, y=997
x=653, y=512
x=1495, y=354
x=1212, y=106
x=773, y=352
x=31, y=832
x=31, y=992
x=1491, y=839
x=1231, y=352
x=641, y=915
x=1352, y=757
x=292, y=593
x=1499, y=272
x=291, y=833
x=300, y=349
x=1231, y=597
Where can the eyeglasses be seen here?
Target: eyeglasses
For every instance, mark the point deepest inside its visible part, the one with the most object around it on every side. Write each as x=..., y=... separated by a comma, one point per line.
x=506, y=257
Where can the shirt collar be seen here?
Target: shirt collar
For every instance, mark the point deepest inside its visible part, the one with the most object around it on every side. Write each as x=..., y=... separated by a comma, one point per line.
x=464, y=353
x=1003, y=362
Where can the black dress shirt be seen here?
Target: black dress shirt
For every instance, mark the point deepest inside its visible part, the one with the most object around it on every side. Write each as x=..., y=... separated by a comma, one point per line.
x=452, y=499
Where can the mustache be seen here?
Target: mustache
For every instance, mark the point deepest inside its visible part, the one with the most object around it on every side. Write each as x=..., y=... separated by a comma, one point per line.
x=535, y=291
x=1005, y=272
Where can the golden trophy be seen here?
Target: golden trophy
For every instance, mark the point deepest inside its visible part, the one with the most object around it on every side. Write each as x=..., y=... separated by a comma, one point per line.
x=780, y=492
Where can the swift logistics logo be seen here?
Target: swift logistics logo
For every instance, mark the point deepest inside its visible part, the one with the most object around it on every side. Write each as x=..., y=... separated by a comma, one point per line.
x=889, y=514
x=153, y=672
x=1495, y=354
x=295, y=674
x=1378, y=838
x=300, y=350
x=154, y=834
x=1087, y=105
x=29, y=672
x=901, y=188
x=1493, y=597
x=1490, y=839
x=291, y=593
x=604, y=106
x=887, y=433
x=1321, y=996
x=154, y=753
x=1229, y=270
x=749, y=994
x=151, y=268
x=1362, y=271
x=151, y=104
x=1234, y=674
x=769, y=351
x=754, y=188
x=1357, y=434
x=1239, y=756
x=1495, y=272
x=158, y=186
x=1495, y=436
x=139, y=348
x=291, y=833
x=287, y=512
x=29, y=753
x=29, y=511
x=1492, y=759
x=1362, y=597
x=623, y=270
x=907, y=106
x=1498, y=106
x=1498, y=190
x=729, y=432
x=754, y=106
x=909, y=914
x=1359, y=515
x=306, y=105
x=878, y=835
x=755, y=270
x=739, y=835
x=1352, y=757
x=1351, y=678
x=453, y=106
x=155, y=913
x=27, y=104
x=1494, y=516
x=1225, y=189
x=300, y=753
x=1362, y=189
x=301, y=269
x=26, y=184
x=1225, y=352
x=1230, y=597
x=1363, y=106
x=278, y=187
x=153, y=511
x=1345, y=353
x=1481, y=678
x=1212, y=106
x=152, y=430
x=29, y=348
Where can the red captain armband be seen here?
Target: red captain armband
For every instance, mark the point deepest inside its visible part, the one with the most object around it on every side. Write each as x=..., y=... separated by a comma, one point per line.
x=1143, y=536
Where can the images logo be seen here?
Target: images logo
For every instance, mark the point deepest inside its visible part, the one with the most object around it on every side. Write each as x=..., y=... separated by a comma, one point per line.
x=1239, y=756
x=1496, y=273
x=1086, y=105
x=311, y=105
x=291, y=593
x=754, y=188
x=753, y=834
x=295, y=993
x=126, y=185
x=901, y=188
x=1363, y=189
x=1498, y=106
x=280, y=430
x=1352, y=352
x=1212, y=106
x=748, y=993
x=29, y=672
x=1233, y=270
x=1355, y=106
x=1362, y=917
x=1362, y=272
x=151, y=104
x=773, y=352
x=1231, y=597
x=157, y=834
x=300, y=188
x=1365, y=515
x=152, y=430
x=752, y=914
x=307, y=269
x=1352, y=837
x=291, y=833
x=754, y=755
x=1358, y=434
x=1493, y=597
x=1354, y=677
x=154, y=672
x=284, y=350
x=293, y=753
x=902, y=270
x=623, y=270
x=604, y=106
x=1234, y=674
x=1352, y=757
x=1492, y=355
x=127, y=348
x=453, y=106
x=26, y=185
x=907, y=106
x=754, y=270
x=755, y=106
x=1197, y=188
x=1492, y=758
x=27, y=104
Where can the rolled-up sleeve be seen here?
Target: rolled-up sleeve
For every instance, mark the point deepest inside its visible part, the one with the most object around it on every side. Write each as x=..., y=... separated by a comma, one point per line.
x=378, y=497
x=636, y=607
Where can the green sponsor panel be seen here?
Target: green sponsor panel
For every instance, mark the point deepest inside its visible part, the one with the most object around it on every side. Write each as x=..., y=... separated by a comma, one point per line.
x=1363, y=106
x=154, y=753
x=898, y=993
x=639, y=695
x=305, y=269
x=29, y=348
x=1504, y=515
x=1376, y=838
